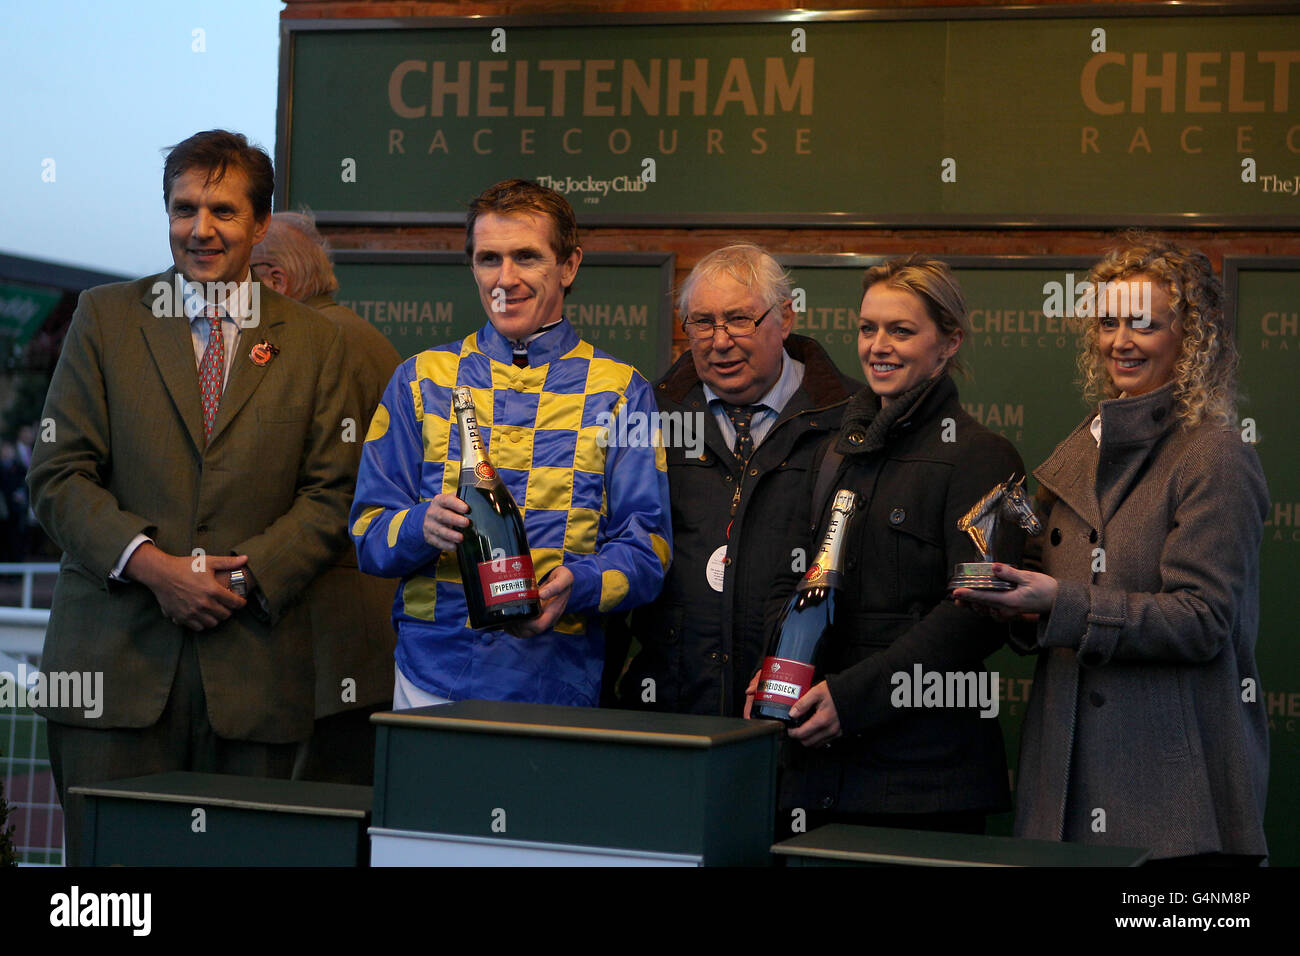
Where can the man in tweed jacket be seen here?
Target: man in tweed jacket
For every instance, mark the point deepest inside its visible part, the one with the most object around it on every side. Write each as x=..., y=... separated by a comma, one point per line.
x=191, y=518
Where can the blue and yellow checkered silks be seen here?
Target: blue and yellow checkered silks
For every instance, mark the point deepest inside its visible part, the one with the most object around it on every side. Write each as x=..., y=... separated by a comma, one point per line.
x=602, y=512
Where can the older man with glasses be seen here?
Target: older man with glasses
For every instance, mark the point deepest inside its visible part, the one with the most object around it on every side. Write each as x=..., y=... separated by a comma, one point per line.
x=739, y=507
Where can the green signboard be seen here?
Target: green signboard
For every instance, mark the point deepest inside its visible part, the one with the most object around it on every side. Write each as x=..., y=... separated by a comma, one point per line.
x=23, y=309
x=1266, y=293
x=1087, y=116
x=621, y=302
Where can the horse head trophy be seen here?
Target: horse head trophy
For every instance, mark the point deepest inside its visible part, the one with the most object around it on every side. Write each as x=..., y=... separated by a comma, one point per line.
x=1006, y=500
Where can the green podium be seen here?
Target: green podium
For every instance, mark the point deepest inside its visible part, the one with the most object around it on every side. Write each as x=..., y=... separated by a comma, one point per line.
x=839, y=844
x=209, y=819
x=496, y=783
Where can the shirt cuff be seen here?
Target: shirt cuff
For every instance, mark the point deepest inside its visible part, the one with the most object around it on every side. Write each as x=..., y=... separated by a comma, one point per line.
x=116, y=573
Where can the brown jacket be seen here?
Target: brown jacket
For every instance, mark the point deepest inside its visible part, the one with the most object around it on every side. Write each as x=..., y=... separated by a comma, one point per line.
x=128, y=456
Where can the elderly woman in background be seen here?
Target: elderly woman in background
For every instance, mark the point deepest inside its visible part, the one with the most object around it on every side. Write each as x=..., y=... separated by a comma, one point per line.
x=918, y=462
x=1146, y=725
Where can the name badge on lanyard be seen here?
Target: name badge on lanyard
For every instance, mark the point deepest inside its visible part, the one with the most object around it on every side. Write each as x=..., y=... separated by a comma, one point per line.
x=717, y=565
x=716, y=568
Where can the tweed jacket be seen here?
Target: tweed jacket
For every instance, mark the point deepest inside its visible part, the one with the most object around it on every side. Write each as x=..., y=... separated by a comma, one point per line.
x=127, y=455
x=1146, y=725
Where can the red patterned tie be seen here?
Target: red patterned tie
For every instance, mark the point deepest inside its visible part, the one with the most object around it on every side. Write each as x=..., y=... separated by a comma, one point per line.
x=212, y=371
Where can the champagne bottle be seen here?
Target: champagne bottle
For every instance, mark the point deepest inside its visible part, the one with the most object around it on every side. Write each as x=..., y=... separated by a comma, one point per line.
x=496, y=566
x=792, y=652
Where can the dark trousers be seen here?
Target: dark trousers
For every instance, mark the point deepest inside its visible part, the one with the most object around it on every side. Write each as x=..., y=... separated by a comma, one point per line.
x=182, y=739
x=341, y=748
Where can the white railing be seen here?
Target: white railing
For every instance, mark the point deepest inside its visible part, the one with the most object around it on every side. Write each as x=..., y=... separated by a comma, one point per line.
x=28, y=570
x=22, y=628
x=29, y=790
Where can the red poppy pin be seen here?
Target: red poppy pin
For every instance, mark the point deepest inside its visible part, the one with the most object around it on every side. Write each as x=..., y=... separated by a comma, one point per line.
x=263, y=352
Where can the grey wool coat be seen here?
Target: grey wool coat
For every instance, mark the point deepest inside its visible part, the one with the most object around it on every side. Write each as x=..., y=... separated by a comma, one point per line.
x=1146, y=726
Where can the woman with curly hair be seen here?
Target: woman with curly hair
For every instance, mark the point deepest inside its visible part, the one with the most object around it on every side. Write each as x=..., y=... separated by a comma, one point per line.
x=1146, y=726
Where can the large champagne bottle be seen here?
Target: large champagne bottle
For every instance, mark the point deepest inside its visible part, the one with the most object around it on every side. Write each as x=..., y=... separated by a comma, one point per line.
x=792, y=653
x=496, y=567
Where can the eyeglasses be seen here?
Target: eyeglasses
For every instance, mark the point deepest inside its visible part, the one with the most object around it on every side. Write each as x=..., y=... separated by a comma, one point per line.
x=254, y=265
x=737, y=326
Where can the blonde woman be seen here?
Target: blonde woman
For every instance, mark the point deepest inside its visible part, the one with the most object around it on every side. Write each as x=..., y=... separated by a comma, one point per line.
x=1146, y=725
x=918, y=462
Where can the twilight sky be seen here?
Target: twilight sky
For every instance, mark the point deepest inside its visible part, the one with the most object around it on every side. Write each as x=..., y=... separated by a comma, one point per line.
x=100, y=88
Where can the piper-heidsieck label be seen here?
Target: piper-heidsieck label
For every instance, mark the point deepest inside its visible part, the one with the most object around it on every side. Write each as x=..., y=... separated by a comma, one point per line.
x=784, y=681
x=507, y=579
x=496, y=566
x=792, y=653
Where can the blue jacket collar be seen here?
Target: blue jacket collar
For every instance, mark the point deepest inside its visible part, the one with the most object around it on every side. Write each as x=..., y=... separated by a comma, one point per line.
x=541, y=350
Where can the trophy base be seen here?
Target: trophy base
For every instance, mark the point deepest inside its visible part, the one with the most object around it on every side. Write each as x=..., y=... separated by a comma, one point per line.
x=978, y=576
